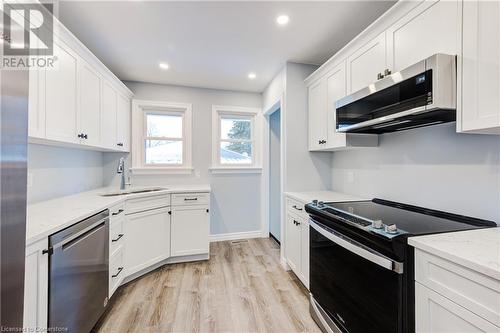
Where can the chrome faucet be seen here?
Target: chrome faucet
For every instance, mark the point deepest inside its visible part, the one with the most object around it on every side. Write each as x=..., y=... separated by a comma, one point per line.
x=121, y=170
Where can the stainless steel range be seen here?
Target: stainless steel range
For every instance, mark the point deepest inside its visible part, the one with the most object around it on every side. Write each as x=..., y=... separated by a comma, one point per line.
x=361, y=268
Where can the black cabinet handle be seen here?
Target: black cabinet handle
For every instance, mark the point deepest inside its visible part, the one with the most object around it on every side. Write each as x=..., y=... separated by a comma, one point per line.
x=321, y=142
x=117, y=239
x=297, y=208
x=380, y=76
x=119, y=144
x=296, y=223
x=387, y=72
x=120, y=269
x=118, y=212
x=80, y=136
x=85, y=136
x=208, y=210
x=50, y=250
x=190, y=199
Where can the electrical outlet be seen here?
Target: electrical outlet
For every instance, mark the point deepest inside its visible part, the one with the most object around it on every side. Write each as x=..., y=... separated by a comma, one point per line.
x=350, y=177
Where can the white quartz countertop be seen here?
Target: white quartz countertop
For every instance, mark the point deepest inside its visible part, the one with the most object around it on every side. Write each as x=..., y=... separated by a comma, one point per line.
x=326, y=196
x=47, y=217
x=478, y=250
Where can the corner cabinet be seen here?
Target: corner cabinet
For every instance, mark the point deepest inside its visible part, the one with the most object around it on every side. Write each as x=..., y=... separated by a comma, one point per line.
x=480, y=95
x=323, y=94
x=78, y=102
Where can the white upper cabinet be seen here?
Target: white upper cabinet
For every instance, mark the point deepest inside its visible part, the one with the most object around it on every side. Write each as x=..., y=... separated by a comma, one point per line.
x=78, y=101
x=432, y=27
x=109, y=114
x=480, y=111
x=323, y=94
x=317, y=115
x=61, y=96
x=89, y=128
x=365, y=65
x=123, y=116
x=336, y=89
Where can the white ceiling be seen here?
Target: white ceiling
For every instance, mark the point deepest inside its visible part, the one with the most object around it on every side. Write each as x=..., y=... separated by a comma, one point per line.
x=214, y=44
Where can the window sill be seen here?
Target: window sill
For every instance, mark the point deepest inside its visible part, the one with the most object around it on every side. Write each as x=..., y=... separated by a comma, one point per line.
x=220, y=170
x=162, y=171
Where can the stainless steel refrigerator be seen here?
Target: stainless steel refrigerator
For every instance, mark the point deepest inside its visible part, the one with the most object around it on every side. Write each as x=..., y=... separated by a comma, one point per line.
x=13, y=172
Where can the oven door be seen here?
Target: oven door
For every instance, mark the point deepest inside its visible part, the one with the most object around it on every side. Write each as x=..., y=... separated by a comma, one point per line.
x=359, y=289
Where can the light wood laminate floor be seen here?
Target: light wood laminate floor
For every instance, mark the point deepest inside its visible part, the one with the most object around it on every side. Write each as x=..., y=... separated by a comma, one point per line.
x=242, y=288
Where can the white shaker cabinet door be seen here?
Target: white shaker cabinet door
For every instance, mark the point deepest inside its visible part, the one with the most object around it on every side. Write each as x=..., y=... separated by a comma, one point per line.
x=431, y=27
x=61, y=96
x=293, y=243
x=147, y=239
x=108, y=116
x=190, y=230
x=317, y=115
x=364, y=65
x=435, y=313
x=36, y=287
x=90, y=106
x=336, y=89
x=123, y=123
x=480, y=111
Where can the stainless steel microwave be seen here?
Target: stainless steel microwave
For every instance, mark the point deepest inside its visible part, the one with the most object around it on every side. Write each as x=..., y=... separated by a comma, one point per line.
x=423, y=94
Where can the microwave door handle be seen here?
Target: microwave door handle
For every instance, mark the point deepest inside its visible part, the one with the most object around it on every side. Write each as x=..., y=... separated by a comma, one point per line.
x=370, y=255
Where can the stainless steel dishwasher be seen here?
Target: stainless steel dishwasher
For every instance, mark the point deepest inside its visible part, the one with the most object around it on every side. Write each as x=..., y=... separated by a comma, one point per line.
x=78, y=274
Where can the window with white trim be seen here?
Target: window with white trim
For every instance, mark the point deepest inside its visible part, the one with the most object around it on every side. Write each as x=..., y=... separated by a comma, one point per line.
x=235, y=134
x=161, y=136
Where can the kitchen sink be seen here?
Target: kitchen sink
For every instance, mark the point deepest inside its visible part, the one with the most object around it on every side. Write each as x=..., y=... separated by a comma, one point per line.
x=133, y=191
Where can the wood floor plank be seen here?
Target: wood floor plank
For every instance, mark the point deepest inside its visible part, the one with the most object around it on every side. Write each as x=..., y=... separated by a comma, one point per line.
x=242, y=288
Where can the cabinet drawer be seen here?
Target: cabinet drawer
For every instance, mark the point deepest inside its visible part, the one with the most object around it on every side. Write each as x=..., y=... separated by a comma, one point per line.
x=190, y=199
x=116, y=271
x=296, y=207
x=436, y=313
x=146, y=203
x=116, y=235
x=116, y=211
x=472, y=290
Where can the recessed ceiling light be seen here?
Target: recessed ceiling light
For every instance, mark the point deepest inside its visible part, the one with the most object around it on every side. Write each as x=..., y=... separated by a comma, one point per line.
x=252, y=75
x=282, y=19
x=164, y=65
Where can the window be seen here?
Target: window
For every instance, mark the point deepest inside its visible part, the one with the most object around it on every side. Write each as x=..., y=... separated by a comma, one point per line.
x=161, y=137
x=235, y=133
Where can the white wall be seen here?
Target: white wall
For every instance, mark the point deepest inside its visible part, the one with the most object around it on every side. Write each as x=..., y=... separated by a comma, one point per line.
x=55, y=172
x=432, y=167
x=236, y=198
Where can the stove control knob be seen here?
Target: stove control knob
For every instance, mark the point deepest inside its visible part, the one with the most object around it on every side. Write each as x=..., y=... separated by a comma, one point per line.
x=315, y=202
x=377, y=224
x=320, y=203
x=391, y=229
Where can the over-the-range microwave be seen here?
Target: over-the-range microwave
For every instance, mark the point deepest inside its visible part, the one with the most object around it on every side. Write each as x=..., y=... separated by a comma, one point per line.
x=423, y=94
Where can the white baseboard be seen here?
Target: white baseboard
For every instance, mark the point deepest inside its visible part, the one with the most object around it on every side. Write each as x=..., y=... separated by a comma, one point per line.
x=237, y=235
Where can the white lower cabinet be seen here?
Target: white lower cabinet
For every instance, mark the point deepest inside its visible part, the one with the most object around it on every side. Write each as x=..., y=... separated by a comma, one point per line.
x=36, y=286
x=116, y=271
x=190, y=230
x=453, y=298
x=147, y=239
x=297, y=240
x=435, y=313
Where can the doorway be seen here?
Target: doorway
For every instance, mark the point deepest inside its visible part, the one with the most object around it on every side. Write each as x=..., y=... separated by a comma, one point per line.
x=275, y=175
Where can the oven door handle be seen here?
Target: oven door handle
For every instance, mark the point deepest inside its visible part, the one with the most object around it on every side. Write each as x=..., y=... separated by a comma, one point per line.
x=351, y=246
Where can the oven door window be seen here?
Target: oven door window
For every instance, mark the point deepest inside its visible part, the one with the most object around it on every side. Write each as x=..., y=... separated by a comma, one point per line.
x=359, y=295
